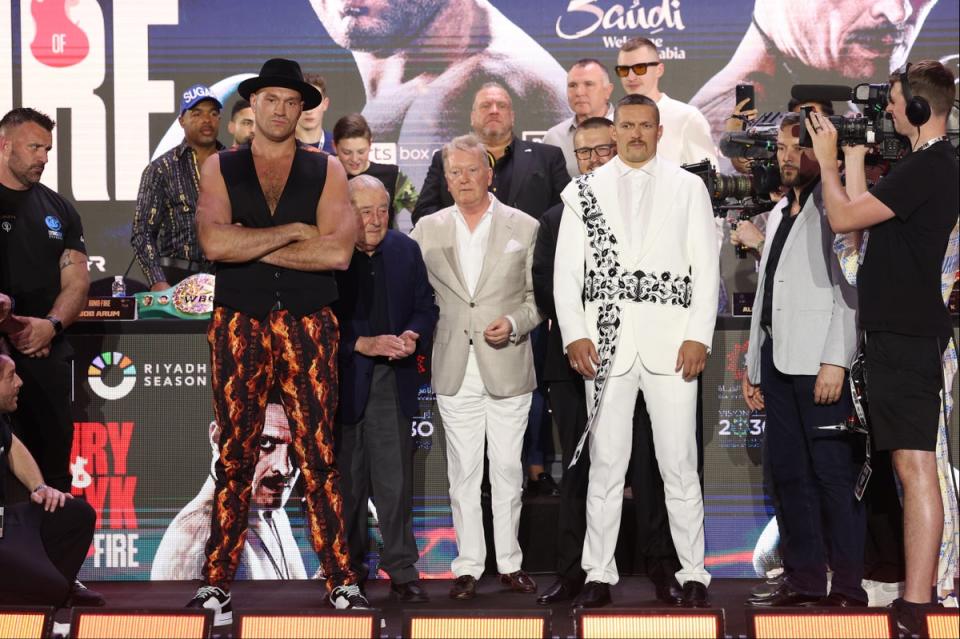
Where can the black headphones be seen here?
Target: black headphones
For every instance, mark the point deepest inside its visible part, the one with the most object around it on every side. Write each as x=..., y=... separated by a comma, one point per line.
x=917, y=107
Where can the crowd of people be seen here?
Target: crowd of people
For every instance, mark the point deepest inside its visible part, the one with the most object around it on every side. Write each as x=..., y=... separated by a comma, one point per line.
x=580, y=274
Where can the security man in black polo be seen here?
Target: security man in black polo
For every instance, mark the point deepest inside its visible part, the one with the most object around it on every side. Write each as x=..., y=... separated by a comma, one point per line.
x=43, y=268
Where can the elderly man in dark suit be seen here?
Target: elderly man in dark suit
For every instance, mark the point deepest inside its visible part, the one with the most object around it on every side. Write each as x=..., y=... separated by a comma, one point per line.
x=386, y=313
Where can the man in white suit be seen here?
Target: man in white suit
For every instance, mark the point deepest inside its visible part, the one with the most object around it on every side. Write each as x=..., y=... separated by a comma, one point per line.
x=635, y=284
x=479, y=254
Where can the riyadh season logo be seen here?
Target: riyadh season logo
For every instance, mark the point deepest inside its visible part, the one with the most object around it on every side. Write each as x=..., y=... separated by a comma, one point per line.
x=104, y=364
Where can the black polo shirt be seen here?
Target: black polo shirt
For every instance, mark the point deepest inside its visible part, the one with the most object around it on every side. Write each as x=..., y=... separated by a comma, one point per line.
x=776, y=249
x=502, y=174
x=36, y=227
x=372, y=284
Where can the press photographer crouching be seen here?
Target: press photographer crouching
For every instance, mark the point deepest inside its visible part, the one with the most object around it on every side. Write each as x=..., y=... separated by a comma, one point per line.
x=44, y=541
x=910, y=214
x=803, y=339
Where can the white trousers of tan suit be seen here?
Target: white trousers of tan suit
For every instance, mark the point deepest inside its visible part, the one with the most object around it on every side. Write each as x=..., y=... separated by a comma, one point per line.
x=672, y=404
x=470, y=418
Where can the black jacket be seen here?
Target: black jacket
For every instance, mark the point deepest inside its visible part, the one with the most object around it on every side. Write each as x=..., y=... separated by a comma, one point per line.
x=539, y=173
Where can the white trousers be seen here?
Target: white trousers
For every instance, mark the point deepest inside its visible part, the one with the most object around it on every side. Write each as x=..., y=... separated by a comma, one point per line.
x=470, y=417
x=672, y=404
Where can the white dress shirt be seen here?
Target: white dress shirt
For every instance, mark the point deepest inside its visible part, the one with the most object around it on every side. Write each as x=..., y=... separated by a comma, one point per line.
x=635, y=190
x=472, y=245
x=686, y=133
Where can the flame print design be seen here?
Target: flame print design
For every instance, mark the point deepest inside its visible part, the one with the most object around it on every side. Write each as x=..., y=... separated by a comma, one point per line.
x=249, y=358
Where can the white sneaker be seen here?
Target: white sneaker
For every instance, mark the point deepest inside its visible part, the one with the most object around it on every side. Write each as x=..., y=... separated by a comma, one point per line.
x=217, y=600
x=348, y=597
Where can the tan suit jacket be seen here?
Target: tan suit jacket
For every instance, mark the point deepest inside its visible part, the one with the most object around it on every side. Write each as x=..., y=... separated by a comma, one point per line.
x=505, y=287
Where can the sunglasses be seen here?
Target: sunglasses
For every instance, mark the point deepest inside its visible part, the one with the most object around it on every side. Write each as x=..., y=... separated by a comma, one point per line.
x=602, y=151
x=640, y=68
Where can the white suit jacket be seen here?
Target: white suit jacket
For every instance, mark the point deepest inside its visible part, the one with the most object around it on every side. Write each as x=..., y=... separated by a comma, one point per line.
x=680, y=240
x=505, y=287
x=814, y=307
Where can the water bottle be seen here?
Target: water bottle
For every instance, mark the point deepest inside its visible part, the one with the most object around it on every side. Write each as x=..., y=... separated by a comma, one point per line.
x=118, y=288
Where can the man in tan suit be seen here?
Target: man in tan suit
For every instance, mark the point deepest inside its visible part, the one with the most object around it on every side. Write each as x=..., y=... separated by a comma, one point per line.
x=479, y=254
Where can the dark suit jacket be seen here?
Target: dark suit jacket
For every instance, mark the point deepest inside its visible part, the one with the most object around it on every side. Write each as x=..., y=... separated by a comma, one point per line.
x=538, y=174
x=556, y=366
x=410, y=306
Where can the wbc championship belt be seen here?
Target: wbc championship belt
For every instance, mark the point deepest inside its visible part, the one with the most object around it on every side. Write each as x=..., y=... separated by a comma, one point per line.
x=190, y=299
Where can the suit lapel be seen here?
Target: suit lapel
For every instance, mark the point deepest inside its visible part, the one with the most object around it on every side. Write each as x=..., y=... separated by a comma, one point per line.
x=392, y=273
x=451, y=253
x=501, y=230
x=522, y=159
x=606, y=188
x=804, y=216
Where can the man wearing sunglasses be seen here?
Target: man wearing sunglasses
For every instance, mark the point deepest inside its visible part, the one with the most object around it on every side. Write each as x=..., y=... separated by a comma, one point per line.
x=686, y=133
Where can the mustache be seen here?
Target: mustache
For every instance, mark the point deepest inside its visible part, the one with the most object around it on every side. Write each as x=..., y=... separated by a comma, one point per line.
x=881, y=36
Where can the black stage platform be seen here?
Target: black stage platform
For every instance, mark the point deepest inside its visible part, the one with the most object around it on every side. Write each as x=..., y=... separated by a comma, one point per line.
x=632, y=592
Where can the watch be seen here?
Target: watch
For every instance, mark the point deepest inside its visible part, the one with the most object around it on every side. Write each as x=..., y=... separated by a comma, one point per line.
x=57, y=324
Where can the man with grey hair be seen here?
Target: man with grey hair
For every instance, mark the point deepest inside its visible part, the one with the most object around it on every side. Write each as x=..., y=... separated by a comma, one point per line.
x=387, y=315
x=588, y=94
x=479, y=254
x=526, y=175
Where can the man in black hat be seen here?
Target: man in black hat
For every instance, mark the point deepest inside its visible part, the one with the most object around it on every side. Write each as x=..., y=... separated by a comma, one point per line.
x=275, y=218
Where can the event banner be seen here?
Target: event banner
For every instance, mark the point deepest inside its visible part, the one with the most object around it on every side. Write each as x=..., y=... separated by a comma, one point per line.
x=111, y=71
x=145, y=441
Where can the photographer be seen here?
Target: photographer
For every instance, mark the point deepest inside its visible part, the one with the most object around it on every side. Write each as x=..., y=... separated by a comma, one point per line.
x=910, y=214
x=802, y=340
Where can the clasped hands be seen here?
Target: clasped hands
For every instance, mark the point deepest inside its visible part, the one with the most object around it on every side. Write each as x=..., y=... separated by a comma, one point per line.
x=393, y=347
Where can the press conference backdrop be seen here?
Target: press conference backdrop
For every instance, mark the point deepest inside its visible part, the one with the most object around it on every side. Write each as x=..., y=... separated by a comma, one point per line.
x=111, y=71
x=143, y=406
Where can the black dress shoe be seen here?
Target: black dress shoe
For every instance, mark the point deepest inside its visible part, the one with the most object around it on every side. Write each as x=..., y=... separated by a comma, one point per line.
x=562, y=589
x=839, y=600
x=410, y=592
x=695, y=595
x=595, y=594
x=669, y=592
x=542, y=486
x=785, y=597
x=80, y=595
x=464, y=588
x=519, y=581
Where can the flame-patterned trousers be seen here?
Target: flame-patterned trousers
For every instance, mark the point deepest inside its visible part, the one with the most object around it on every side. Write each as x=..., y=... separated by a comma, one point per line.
x=250, y=357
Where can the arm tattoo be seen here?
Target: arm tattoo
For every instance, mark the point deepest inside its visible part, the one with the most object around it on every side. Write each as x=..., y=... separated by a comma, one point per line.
x=66, y=260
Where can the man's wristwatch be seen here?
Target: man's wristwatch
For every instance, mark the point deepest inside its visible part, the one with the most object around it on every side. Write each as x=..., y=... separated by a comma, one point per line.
x=57, y=324
x=38, y=488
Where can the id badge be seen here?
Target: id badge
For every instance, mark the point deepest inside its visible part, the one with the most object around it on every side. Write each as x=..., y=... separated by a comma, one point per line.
x=862, y=480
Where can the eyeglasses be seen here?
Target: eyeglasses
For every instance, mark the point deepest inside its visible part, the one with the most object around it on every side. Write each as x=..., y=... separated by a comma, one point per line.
x=602, y=151
x=640, y=68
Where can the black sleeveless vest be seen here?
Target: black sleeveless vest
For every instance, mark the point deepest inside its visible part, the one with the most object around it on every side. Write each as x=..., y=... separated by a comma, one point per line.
x=254, y=288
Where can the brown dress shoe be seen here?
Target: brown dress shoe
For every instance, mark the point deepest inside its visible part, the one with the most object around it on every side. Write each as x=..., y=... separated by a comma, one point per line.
x=464, y=588
x=519, y=581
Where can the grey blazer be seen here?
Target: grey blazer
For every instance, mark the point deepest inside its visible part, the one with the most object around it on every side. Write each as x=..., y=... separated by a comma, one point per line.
x=505, y=287
x=814, y=307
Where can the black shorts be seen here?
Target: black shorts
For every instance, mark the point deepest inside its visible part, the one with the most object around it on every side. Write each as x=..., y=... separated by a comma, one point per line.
x=904, y=382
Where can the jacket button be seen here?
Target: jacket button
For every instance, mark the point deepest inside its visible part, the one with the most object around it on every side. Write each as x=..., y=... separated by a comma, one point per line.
x=472, y=304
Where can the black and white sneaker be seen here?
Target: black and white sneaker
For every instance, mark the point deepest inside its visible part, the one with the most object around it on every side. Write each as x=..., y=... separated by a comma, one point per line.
x=217, y=600
x=348, y=597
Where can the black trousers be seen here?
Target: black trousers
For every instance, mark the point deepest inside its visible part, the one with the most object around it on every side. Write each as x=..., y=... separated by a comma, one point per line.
x=376, y=456
x=41, y=553
x=44, y=420
x=814, y=472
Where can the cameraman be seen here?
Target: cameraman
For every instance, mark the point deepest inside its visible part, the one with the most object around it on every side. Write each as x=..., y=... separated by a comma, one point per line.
x=910, y=214
x=802, y=340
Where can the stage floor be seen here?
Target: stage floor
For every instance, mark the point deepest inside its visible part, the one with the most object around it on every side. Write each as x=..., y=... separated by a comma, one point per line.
x=728, y=594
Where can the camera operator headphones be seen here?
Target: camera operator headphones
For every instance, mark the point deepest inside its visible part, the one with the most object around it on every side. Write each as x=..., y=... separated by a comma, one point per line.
x=917, y=107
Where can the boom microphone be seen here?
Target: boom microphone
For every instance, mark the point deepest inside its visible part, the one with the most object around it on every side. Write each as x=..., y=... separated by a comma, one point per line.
x=821, y=93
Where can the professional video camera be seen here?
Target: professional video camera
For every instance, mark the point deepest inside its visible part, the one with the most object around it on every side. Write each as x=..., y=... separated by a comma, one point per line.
x=873, y=125
x=748, y=195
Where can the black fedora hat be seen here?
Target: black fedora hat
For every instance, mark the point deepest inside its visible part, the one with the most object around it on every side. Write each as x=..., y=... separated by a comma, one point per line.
x=278, y=72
